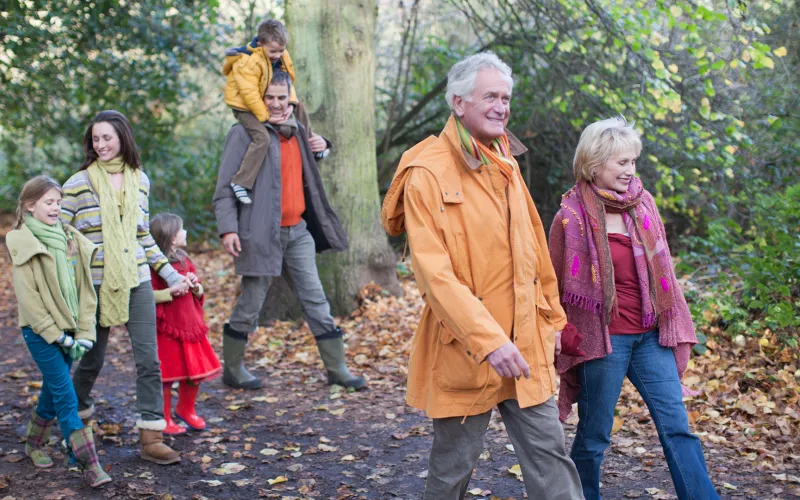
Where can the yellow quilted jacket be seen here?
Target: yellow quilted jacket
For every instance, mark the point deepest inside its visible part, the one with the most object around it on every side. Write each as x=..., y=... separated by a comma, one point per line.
x=248, y=78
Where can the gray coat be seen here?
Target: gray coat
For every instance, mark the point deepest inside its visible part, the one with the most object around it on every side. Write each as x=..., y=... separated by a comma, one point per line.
x=258, y=224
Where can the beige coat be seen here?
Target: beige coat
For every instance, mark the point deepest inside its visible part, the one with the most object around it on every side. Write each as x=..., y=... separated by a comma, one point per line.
x=41, y=305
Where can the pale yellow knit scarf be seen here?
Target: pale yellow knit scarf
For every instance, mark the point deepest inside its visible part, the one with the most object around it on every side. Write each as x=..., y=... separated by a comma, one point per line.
x=120, y=220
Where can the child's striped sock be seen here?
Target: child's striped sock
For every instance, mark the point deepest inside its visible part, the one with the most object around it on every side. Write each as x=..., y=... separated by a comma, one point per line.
x=241, y=194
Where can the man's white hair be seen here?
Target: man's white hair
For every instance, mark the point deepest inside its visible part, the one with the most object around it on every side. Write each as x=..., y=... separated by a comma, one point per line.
x=462, y=76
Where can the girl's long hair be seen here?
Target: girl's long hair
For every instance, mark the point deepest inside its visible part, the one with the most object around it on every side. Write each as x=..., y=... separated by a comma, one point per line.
x=32, y=191
x=164, y=227
x=127, y=143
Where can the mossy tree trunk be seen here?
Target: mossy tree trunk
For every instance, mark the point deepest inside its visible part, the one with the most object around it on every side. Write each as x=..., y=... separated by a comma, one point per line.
x=332, y=46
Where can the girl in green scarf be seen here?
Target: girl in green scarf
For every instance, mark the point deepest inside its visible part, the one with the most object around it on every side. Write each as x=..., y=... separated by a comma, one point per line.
x=57, y=302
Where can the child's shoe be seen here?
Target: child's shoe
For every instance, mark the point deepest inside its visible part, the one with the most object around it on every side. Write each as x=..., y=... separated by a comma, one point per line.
x=241, y=194
x=172, y=428
x=184, y=410
x=36, y=439
x=81, y=446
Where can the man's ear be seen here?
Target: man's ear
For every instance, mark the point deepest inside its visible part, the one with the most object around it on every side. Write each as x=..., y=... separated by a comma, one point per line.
x=458, y=106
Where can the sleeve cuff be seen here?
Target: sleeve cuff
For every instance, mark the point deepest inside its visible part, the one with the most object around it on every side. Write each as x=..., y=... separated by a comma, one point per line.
x=87, y=334
x=479, y=353
x=162, y=296
x=170, y=275
x=50, y=334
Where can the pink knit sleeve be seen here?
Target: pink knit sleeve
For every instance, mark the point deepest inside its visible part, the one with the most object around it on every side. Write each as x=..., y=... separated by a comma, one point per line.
x=678, y=329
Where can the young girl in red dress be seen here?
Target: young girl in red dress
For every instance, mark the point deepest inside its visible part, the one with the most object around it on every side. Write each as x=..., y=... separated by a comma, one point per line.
x=184, y=351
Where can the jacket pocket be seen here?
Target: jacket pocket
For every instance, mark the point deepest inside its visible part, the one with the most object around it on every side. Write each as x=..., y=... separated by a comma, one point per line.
x=462, y=265
x=455, y=370
x=245, y=213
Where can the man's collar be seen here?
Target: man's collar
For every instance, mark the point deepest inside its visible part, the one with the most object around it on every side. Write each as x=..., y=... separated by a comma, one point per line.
x=516, y=148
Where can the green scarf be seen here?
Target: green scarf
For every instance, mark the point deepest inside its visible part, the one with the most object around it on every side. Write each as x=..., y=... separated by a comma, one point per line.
x=120, y=221
x=55, y=239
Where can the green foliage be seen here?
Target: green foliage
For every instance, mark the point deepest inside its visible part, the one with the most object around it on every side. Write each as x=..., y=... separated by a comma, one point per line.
x=749, y=262
x=62, y=62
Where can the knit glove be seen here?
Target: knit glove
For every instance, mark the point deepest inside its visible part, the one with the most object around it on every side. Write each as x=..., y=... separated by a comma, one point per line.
x=79, y=348
x=571, y=340
x=66, y=342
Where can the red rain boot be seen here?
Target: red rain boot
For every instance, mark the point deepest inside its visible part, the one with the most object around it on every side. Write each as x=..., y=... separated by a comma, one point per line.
x=172, y=428
x=184, y=410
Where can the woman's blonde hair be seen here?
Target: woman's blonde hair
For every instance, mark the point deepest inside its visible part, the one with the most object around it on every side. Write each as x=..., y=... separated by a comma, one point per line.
x=31, y=192
x=600, y=141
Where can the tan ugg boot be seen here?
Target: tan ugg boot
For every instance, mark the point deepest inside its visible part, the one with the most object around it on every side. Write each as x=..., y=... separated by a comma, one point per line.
x=151, y=443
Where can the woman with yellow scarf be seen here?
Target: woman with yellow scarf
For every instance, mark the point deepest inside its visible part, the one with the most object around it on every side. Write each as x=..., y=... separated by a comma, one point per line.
x=107, y=201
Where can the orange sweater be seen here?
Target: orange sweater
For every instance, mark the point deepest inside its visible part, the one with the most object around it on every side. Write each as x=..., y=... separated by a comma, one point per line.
x=293, y=201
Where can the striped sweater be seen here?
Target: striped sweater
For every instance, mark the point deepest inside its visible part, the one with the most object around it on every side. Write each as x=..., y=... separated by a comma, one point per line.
x=81, y=209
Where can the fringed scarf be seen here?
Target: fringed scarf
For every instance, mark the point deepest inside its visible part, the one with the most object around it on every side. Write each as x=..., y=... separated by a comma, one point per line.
x=649, y=251
x=497, y=153
x=120, y=212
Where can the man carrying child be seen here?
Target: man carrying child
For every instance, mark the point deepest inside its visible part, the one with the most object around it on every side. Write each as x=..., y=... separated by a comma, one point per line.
x=288, y=221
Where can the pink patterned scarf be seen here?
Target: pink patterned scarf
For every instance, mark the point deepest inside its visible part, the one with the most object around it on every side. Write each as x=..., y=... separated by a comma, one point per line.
x=649, y=249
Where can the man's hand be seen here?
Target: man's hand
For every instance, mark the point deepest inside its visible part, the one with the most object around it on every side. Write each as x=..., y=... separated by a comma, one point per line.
x=508, y=362
x=231, y=243
x=558, y=342
x=317, y=143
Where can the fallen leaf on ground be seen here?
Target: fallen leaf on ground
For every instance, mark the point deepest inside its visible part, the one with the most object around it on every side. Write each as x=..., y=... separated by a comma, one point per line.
x=228, y=468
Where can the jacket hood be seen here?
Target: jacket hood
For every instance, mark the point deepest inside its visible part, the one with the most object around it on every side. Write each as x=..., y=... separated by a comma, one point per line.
x=443, y=157
x=23, y=245
x=233, y=54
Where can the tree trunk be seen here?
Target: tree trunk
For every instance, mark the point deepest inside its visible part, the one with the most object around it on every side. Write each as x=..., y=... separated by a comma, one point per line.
x=332, y=46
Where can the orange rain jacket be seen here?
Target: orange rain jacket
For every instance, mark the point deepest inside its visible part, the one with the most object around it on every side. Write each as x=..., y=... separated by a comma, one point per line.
x=480, y=259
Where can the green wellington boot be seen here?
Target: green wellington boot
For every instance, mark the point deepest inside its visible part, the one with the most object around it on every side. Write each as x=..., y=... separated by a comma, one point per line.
x=234, y=373
x=331, y=350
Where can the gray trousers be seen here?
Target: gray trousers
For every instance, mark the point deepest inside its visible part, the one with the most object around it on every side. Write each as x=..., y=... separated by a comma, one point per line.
x=538, y=440
x=141, y=328
x=300, y=267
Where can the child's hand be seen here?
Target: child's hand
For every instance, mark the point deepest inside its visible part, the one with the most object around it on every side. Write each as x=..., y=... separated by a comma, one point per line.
x=276, y=119
x=192, y=279
x=179, y=289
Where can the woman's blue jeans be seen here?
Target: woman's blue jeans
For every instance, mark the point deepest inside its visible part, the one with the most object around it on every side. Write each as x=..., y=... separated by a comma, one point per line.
x=57, y=398
x=652, y=370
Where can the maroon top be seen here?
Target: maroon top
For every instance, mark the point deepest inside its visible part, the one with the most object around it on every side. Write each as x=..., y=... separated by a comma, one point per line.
x=626, y=280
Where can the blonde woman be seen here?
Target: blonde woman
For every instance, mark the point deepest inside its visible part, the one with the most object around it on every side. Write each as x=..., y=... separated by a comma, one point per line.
x=617, y=284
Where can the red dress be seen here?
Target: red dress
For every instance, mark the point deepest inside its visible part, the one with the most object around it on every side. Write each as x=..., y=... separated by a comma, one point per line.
x=182, y=334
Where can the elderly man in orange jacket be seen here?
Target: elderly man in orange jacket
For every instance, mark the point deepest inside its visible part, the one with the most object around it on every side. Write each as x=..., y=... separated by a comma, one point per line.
x=492, y=321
